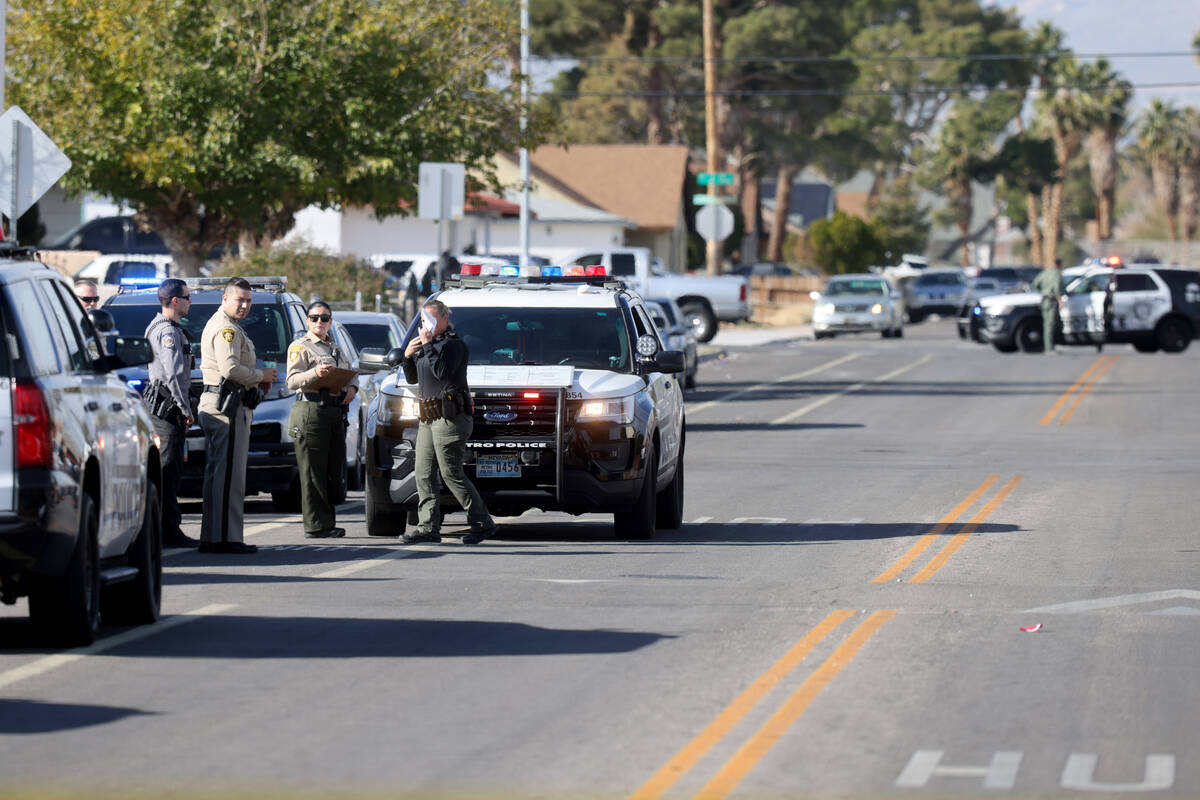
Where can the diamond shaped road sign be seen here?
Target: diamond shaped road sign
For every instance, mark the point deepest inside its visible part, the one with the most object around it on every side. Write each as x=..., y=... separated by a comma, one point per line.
x=39, y=163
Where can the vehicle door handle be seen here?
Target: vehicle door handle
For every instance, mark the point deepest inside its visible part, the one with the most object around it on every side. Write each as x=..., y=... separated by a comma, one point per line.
x=91, y=405
x=117, y=406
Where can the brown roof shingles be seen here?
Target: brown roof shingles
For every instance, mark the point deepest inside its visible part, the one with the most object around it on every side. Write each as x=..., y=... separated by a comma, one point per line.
x=643, y=183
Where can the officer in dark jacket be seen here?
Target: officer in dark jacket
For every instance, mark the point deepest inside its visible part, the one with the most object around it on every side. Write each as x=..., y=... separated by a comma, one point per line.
x=167, y=397
x=436, y=360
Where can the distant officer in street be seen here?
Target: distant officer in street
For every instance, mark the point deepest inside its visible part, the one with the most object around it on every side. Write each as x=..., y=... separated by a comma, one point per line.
x=318, y=421
x=88, y=294
x=436, y=360
x=1050, y=283
x=167, y=397
x=228, y=363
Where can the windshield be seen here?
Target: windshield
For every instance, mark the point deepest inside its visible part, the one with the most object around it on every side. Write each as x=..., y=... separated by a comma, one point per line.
x=941, y=279
x=1090, y=283
x=265, y=325
x=367, y=334
x=593, y=338
x=865, y=286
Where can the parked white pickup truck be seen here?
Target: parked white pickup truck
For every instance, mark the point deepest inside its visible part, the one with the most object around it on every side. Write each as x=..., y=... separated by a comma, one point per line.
x=704, y=300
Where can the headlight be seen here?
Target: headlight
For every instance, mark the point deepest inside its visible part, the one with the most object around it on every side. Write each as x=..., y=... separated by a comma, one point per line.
x=389, y=409
x=824, y=308
x=877, y=308
x=612, y=410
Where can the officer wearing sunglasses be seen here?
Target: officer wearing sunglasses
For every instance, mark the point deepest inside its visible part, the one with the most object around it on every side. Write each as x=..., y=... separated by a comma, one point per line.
x=318, y=421
x=88, y=294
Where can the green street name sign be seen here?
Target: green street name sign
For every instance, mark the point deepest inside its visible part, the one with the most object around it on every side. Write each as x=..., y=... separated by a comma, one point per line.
x=712, y=199
x=715, y=179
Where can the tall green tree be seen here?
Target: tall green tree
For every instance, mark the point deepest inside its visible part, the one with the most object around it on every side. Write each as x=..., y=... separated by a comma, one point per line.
x=1189, y=175
x=219, y=121
x=1062, y=110
x=1161, y=138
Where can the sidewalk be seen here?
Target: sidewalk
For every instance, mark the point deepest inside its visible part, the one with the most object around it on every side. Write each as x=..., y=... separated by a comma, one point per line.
x=729, y=336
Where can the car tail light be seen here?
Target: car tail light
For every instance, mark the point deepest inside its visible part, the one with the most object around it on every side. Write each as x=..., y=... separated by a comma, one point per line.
x=742, y=293
x=32, y=423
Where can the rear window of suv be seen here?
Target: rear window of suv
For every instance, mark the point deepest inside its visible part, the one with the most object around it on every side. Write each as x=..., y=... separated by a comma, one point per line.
x=941, y=279
x=265, y=325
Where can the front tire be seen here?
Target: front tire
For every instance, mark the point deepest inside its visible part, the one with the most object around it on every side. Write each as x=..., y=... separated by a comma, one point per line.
x=1146, y=346
x=668, y=514
x=67, y=609
x=702, y=320
x=638, y=522
x=1028, y=336
x=139, y=601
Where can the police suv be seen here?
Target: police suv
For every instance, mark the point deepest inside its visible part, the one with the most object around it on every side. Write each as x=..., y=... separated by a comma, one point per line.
x=1153, y=308
x=578, y=407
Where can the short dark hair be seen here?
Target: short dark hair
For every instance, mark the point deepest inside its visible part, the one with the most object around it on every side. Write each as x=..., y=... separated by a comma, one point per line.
x=318, y=304
x=236, y=283
x=171, y=287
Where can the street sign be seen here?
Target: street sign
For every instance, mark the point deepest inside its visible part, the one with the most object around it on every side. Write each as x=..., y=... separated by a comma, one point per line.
x=715, y=179
x=712, y=199
x=39, y=163
x=441, y=190
x=714, y=223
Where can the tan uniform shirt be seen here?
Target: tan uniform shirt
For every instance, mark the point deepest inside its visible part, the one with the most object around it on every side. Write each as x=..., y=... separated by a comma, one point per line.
x=305, y=355
x=227, y=352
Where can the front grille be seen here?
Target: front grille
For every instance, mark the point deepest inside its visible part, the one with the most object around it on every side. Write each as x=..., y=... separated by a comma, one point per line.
x=851, y=308
x=531, y=418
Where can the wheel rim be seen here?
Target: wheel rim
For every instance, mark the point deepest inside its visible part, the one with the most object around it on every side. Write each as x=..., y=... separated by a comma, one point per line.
x=1030, y=338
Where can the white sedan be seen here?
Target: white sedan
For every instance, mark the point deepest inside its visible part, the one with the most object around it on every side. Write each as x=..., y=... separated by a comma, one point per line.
x=857, y=304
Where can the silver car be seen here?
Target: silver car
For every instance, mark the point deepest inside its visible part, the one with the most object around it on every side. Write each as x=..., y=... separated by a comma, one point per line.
x=856, y=304
x=677, y=335
x=936, y=291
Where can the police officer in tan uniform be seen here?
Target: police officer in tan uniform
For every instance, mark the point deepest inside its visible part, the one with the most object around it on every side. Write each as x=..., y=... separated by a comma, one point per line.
x=227, y=355
x=318, y=421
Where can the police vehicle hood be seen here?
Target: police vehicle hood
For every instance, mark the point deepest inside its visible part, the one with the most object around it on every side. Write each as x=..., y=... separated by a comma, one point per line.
x=992, y=302
x=590, y=383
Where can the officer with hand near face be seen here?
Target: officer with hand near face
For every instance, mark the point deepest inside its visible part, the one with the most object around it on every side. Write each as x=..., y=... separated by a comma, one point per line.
x=436, y=360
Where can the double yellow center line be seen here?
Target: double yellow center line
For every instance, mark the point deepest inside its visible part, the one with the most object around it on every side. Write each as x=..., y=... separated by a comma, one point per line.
x=757, y=746
x=956, y=541
x=1079, y=389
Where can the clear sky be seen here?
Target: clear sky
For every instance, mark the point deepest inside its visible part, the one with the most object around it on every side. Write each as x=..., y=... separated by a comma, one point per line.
x=1130, y=26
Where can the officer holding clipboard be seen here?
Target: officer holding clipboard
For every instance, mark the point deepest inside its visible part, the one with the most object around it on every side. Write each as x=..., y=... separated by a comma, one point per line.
x=320, y=375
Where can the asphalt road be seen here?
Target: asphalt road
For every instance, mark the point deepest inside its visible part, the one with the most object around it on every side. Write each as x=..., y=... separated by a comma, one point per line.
x=870, y=525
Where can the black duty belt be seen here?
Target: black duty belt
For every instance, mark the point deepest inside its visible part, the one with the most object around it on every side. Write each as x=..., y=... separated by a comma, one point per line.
x=213, y=389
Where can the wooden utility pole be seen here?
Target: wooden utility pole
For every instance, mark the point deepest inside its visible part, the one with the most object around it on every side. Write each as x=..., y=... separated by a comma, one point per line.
x=711, y=132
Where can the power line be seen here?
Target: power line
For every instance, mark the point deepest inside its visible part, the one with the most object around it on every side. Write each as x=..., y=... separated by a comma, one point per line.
x=931, y=90
x=853, y=59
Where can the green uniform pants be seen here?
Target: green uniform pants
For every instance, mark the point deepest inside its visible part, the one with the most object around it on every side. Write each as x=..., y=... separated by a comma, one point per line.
x=441, y=446
x=227, y=446
x=319, y=433
x=1049, y=323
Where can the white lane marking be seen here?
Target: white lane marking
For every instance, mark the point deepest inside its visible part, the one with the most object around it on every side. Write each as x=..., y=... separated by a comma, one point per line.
x=699, y=520
x=572, y=580
x=359, y=566
x=1001, y=773
x=1080, y=606
x=44, y=665
x=829, y=398
x=756, y=521
x=1079, y=774
x=692, y=409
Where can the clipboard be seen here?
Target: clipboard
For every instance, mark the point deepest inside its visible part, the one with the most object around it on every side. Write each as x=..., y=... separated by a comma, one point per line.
x=335, y=381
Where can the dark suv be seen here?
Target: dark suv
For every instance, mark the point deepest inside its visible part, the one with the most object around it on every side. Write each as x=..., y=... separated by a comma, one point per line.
x=276, y=319
x=79, y=464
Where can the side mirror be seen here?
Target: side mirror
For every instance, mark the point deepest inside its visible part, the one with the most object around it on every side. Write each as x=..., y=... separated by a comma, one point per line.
x=669, y=361
x=394, y=357
x=128, y=351
x=372, y=359
x=102, y=321
x=815, y=295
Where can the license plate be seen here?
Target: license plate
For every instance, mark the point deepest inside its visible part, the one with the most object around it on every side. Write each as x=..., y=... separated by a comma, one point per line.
x=505, y=466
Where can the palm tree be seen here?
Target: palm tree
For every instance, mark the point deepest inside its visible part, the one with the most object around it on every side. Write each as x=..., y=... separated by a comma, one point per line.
x=1062, y=113
x=1107, y=110
x=1189, y=176
x=1161, y=136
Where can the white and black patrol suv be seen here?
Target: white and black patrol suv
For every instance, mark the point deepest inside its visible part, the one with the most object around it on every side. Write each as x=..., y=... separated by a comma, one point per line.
x=1152, y=308
x=578, y=407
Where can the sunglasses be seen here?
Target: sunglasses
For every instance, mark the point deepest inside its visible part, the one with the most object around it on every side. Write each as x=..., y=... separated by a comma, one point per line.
x=319, y=317
x=187, y=297
x=95, y=299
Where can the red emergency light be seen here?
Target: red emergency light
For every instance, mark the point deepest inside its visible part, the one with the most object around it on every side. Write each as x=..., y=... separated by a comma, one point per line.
x=470, y=269
x=595, y=270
